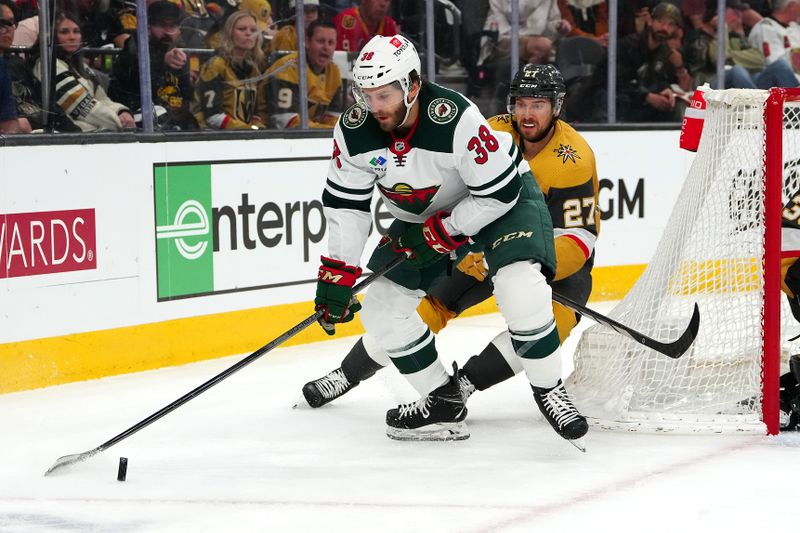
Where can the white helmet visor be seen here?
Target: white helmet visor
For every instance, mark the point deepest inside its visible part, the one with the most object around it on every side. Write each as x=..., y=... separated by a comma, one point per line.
x=382, y=98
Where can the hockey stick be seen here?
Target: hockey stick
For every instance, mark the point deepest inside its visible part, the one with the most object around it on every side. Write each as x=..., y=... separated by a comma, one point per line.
x=67, y=460
x=674, y=349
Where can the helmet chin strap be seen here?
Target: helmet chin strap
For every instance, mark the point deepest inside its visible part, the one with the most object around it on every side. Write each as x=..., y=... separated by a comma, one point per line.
x=408, y=105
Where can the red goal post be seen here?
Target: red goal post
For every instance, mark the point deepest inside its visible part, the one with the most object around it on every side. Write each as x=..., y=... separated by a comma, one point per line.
x=774, y=113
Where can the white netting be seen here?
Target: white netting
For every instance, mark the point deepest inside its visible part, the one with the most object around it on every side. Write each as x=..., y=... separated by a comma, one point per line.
x=711, y=253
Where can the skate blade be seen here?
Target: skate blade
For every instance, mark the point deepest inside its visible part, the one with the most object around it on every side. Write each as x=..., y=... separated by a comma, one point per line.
x=434, y=432
x=578, y=443
x=301, y=403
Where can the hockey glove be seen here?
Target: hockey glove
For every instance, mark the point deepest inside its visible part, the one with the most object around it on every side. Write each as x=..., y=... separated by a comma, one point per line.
x=474, y=265
x=428, y=242
x=335, y=281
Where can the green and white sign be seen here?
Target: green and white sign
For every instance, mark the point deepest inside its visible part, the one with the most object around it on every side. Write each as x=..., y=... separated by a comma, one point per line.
x=183, y=230
x=234, y=226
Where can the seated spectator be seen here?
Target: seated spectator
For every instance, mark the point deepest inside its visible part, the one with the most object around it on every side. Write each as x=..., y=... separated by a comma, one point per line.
x=169, y=69
x=286, y=37
x=228, y=95
x=199, y=17
x=779, y=34
x=588, y=18
x=649, y=64
x=123, y=22
x=357, y=25
x=77, y=87
x=9, y=122
x=540, y=25
x=197, y=20
x=260, y=9
x=746, y=66
x=324, y=83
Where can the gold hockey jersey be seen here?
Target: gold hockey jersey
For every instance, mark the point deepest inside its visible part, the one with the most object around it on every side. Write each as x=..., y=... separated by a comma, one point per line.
x=230, y=97
x=566, y=172
x=283, y=95
x=284, y=39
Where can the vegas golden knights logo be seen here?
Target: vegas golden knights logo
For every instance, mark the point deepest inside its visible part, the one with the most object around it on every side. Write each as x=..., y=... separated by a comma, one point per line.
x=244, y=102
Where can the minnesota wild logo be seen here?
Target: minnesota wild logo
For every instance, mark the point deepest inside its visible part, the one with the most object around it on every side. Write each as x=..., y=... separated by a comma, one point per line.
x=442, y=110
x=405, y=197
x=354, y=117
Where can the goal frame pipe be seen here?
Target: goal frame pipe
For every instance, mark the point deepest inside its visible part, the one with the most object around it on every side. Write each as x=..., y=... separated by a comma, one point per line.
x=773, y=205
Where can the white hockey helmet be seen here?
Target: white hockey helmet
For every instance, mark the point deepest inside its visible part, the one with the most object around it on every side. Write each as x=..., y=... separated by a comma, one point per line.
x=385, y=60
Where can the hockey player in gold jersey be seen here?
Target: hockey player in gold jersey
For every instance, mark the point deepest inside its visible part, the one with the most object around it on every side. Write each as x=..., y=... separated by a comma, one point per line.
x=565, y=170
x=229, y=93
x=323, y=77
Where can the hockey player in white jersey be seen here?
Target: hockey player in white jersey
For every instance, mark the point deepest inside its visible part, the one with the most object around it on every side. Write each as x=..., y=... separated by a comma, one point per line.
x=453, y=184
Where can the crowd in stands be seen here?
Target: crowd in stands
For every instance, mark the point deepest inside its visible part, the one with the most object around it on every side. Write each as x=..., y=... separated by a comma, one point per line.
x=235, y=64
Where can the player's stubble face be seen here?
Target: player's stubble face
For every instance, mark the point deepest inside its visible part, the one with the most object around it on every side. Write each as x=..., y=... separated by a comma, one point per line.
x=387, y=106
x=534, y=117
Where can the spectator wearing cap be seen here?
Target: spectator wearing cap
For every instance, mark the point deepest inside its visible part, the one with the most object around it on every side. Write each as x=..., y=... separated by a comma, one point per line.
x=229, y=93
x=649, y=64
x=169, y=69
x=9, y=121
x=78, y=89
x=357, y=25
x=746, y=66
x=324, y=82
x=286, y=37
x=779, y=34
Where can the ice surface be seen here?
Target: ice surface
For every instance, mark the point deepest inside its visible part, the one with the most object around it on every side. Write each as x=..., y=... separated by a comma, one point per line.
x=239, y=458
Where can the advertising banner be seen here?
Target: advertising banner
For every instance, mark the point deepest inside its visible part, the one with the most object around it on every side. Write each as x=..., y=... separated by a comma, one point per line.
x=47, y=242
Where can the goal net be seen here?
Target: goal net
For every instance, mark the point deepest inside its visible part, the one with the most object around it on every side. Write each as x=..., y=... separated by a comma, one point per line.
x=722, y=249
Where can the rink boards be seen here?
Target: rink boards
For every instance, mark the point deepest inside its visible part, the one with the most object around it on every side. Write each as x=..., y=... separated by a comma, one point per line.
x=117, y=258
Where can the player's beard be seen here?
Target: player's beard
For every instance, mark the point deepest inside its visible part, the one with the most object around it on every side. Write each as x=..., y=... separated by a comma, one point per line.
x=395, y=119
x=544, y=132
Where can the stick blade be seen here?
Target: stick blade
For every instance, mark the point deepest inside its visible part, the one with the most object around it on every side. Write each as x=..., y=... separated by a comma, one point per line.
x=677, y=348
x=63, y=463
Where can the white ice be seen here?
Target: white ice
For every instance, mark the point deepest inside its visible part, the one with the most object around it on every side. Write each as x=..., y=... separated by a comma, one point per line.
x=239, y=458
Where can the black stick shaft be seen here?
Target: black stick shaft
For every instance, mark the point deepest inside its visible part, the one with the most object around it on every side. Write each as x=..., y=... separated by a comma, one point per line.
x=673, y=349
x=241, y=364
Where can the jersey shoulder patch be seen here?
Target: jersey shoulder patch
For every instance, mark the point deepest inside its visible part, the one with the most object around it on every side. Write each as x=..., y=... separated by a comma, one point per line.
x=361, y=131
x=435, y=94
x=440, y=110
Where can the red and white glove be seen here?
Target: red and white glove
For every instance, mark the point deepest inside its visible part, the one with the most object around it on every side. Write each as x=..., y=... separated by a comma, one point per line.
x=428, y=242
x=335, y=281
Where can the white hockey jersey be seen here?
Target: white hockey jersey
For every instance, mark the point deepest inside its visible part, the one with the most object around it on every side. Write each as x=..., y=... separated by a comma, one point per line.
x=451, y=160
x=774, y=39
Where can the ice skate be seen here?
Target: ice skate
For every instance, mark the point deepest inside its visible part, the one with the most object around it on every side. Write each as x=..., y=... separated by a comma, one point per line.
x=556, y=406
x=327, y=388
x=438, y=416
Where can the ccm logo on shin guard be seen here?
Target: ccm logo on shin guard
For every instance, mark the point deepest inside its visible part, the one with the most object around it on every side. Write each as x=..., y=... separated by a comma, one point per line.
x=512, y=236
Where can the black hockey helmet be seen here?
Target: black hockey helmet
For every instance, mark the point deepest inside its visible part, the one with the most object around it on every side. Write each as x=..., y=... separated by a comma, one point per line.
x=537, y=81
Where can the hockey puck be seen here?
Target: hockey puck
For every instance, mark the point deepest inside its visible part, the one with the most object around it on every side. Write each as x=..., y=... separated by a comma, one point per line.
x=123, y=469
